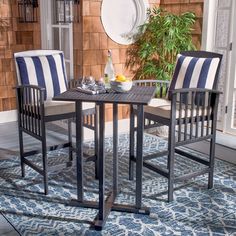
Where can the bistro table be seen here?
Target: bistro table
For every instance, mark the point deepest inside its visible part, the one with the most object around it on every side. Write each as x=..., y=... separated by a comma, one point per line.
x=138, y=96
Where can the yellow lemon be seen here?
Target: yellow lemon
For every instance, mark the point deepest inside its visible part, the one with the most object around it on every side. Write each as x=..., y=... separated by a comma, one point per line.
x=121, y=78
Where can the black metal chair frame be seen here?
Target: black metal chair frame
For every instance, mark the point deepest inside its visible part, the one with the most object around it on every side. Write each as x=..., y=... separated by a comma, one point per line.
x=32, y=121
x=184, y=128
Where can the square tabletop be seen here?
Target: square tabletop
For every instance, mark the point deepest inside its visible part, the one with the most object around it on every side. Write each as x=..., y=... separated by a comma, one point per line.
x=139, y=95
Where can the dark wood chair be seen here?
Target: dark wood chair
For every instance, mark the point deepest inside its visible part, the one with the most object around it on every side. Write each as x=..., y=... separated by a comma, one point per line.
x=188, y=106
x=41, y=74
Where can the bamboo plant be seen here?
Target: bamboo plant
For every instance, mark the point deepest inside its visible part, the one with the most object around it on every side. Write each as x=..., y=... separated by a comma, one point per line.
x=158, y=42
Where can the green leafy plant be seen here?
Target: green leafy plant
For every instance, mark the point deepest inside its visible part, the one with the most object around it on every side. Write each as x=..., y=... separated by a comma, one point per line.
x=158, y=42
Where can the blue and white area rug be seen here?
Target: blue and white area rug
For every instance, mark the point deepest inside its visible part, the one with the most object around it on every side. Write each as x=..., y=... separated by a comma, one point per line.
x=196, y=210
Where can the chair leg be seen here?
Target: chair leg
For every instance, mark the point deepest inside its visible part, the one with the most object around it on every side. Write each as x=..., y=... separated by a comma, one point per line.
x=96, y=142
x=45, y=159
x=131, y=145
x=70, y=140
x=45, y=167
x=171, y=176
x=212, y=148
x=21, y=153
x=170, y=164
x=211, y=163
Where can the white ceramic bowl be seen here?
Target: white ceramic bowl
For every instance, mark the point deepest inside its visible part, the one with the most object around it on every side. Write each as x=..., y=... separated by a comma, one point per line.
x=121, y=87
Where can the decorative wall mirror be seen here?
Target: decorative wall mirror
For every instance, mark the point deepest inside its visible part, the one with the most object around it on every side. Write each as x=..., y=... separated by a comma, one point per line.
x=121, y=18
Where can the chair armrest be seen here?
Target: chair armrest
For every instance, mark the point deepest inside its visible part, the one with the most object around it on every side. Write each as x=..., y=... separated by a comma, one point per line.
x=30, y=94
x=29, y=86
x=30, y=101
x=151, y=82
x=197, y=101
x=161, y=86
x=200, y=90
x=193, y=113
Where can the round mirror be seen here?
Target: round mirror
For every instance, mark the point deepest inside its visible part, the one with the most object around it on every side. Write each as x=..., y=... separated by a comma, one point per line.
x=121, y=18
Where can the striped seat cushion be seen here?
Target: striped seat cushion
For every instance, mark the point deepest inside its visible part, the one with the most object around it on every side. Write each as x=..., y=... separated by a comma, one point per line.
x=193, y=72
x=47, y=71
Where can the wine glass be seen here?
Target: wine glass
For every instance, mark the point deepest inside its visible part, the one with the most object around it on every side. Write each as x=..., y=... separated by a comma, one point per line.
x=88, y=82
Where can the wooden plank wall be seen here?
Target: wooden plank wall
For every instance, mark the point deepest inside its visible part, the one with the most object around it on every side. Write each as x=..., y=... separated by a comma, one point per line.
x=16, y=37
x=90, y=42
x=91, y=55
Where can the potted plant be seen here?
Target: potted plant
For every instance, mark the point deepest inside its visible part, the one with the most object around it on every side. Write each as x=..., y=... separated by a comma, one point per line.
x=158, y=42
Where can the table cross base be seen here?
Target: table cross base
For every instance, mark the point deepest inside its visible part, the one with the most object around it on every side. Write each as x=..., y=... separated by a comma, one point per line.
x=109, y=206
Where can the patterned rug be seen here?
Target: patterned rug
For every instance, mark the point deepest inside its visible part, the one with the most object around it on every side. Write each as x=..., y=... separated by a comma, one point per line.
x=195, y=210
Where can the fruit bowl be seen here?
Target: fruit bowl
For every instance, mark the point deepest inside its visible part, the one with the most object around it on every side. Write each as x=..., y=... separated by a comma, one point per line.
x=121, y=87
x=121, y=84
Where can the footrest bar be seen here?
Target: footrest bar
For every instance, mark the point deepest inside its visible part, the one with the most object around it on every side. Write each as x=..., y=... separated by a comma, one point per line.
x=130, y=209
x=51, y=148
x=84, y=204
x=192, y=157
x=157, y=169
x=33, y=166
x=192, y=175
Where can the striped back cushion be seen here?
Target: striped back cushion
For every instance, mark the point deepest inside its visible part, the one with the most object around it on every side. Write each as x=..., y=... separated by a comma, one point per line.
x=47, y=71
x=193, y=72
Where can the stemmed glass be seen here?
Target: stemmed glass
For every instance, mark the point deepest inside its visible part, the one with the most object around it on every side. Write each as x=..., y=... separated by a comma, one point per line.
x=88, y=82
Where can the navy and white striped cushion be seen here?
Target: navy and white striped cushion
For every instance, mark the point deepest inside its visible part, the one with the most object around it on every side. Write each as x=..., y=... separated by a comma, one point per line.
x=45, y=71
x=192, y=72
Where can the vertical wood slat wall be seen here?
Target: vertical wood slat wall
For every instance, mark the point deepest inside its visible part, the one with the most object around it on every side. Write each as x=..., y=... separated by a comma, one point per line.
x=90, y=48
x=90, y=42
x=16, y=37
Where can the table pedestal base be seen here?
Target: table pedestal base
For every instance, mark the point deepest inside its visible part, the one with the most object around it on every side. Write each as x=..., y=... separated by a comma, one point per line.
x=109, y=206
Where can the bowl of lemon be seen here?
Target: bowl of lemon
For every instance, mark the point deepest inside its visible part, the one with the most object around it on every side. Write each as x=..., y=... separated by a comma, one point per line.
x=121, y=84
